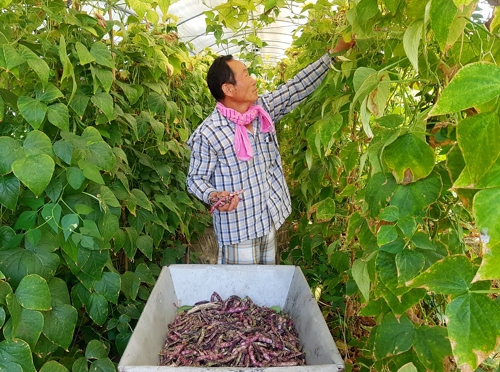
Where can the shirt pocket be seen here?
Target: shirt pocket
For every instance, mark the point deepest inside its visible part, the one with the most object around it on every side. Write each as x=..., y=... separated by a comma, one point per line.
x=269, y=149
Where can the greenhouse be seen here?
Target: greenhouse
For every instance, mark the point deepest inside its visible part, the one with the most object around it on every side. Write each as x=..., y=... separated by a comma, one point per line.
x=366, y=161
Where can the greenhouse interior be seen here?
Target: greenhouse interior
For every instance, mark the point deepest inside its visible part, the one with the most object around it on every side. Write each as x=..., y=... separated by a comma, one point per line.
x=271, y=185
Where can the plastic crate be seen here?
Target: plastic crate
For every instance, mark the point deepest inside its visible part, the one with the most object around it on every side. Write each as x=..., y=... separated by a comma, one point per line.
x=266, y=285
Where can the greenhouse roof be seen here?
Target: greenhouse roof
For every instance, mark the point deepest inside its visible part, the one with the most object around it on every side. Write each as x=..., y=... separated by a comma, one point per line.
x=277, y=36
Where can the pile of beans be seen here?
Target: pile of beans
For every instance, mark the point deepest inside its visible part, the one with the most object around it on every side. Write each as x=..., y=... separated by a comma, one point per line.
x=231, y=333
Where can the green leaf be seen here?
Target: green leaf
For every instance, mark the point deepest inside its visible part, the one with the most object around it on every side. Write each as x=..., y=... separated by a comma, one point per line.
x=422, y=241
x=408, y=225
x=80, y=365
x=105, y=103
x=59, y=324
x=96, y=349
x=79, y=103
x=53, y=366
x=26, y=220
x=327, y=127
x=33, y=293
x=36, y=63
x=30, y=327
x=379, y=189
x=409, y=264
x=37, y=143
x=101, y=155
x=8, y=148
x=402, y=303
x=15, y=310
x=389, y=214
x=64, y=150
x=325, y=210
x=75, y=177
x=108, y=197
x=145, y=244
x=362, y=278
x=130, y=284
x=132, y=92
x=408, y=367
x=385, y=265
x=8, y=238
x=442, y=14
x=386, y=234
x=51, y=213
x=9, y=57
x=103, y=365
x=432, y=347
x=97, y=308
x=34, y=171
x=17, y=351
x=473, y=328
x=58, y=115
x=394, y=246
x=413, y=198
x=410, y=158
x=390, y=121
x=157, y=103
x=109, y=226
x=393, y=336
x=32, y=110
x=487, y=212
x=105, y=77
x=69, y=224
x=16, y=263
x=102, y=54
x=91, y=172
x=451, y=275
x=145, y=274
x=109, y=286
x=9, y=191
x=411, y=40
x=84, y=54
x=58, y=292
x=49, y=93
x=476, y=137
x=54, y=189
x=480, y=80
x=142, y=199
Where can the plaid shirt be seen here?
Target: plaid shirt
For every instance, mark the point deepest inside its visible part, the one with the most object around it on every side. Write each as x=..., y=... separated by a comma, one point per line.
x=215, y=167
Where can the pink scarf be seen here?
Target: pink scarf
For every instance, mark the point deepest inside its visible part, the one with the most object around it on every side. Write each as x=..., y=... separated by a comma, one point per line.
x=241, y=141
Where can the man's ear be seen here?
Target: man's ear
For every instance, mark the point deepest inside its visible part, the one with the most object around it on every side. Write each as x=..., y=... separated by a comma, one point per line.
x=228, y=89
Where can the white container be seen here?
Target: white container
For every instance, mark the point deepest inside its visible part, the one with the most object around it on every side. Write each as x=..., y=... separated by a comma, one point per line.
x=266, y=285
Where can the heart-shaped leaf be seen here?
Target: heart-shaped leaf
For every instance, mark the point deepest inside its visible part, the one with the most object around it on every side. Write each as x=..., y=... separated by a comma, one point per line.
x=34, y=171
x=32, y=110
x=410, y=158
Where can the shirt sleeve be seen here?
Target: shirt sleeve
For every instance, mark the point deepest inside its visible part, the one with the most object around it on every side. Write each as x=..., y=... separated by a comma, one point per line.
x=201, y=167
x=290, y=94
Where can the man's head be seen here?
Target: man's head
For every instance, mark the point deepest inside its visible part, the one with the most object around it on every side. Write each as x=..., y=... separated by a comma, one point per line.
x=230, y=83
x=218, y=74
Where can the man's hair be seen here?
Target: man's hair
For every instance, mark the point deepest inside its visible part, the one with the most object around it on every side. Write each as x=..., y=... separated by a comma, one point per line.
x=219, y=74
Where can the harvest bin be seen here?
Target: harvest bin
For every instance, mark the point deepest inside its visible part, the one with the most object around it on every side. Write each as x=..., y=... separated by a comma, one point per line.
x=266, y=285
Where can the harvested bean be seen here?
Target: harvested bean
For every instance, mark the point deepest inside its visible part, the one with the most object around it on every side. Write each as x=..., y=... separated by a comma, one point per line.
x=231, y=333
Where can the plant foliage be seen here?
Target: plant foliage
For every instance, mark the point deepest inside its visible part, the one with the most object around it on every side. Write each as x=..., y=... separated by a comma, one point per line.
x=94, y=114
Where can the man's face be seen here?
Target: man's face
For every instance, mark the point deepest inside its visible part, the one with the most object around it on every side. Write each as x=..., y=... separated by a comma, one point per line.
x=245, y=89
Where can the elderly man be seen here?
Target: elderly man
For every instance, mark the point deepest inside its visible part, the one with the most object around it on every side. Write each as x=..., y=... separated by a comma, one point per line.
x=235, y=162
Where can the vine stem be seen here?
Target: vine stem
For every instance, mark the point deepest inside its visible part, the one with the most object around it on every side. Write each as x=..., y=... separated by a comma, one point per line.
x=497, y=290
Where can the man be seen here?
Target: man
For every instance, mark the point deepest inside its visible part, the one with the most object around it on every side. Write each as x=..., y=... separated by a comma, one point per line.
x=235, y=150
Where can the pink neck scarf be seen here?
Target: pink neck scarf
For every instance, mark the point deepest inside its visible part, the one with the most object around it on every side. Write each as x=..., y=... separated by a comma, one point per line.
x=241, y=141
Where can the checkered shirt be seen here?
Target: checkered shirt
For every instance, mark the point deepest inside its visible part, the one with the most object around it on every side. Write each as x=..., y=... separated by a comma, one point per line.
x=215, y=167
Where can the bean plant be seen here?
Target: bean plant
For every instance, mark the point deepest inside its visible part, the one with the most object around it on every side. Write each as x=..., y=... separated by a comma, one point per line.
x=94, y=112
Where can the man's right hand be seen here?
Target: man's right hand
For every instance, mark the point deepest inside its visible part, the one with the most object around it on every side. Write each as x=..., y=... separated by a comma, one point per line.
x=227, y=206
